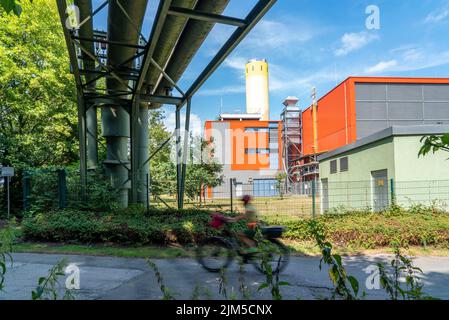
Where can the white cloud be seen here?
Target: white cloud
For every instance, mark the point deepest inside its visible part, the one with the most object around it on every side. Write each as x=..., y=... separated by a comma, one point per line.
x=382, y=66
x=411, y=59
x=437, y=15
x=354, y=41
x=195, y=122
x=269, y=34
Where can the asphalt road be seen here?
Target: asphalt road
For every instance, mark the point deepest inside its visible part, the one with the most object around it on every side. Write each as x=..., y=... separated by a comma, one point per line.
x=122, y=279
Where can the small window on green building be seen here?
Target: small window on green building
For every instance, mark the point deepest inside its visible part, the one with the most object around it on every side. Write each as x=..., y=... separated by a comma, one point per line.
x=344, y=166
x=333, y=166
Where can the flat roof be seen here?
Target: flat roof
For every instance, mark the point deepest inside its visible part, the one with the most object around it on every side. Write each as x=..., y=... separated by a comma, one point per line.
x=246, y=116
x=422, y=130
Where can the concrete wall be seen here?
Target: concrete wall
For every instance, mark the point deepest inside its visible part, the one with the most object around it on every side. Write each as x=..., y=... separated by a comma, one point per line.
x=423, y=180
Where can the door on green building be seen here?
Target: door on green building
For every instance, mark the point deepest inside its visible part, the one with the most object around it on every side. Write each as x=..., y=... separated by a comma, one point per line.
x=324, y=195
x=379, y=187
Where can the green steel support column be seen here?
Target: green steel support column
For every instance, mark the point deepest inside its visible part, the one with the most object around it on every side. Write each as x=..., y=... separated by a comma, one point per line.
x=143, y=154
x=92, y=141
x=178, y=156
x=82, y=134
x=184, y=152
x=134, y=150
x=116, y=130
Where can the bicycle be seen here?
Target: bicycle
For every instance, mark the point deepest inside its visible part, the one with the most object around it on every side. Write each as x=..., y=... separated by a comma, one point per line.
x=218, y=252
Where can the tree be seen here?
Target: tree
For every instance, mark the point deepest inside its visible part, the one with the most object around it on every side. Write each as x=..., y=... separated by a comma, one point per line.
x=162, y=169
x=11, y=6
x=38, y=125
x=434, y=144
x=202, y=171
x=280, y=181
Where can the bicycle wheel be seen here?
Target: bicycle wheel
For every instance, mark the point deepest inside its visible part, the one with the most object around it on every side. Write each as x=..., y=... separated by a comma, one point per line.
x=214, y=254
x=277, y=259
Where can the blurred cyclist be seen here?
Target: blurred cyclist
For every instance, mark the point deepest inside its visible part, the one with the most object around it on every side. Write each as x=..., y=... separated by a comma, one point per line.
x=251, y=218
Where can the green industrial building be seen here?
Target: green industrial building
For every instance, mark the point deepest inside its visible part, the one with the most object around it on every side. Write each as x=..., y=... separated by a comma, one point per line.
x=385, y=168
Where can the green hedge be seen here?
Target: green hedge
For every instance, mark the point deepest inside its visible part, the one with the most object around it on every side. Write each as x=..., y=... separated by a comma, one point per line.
x=132, y=226
x=135, y=226
x=373, y=230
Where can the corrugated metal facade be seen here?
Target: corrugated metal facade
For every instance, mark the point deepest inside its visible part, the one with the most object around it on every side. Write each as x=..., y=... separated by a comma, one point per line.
x=361, y=106
x=380, y=106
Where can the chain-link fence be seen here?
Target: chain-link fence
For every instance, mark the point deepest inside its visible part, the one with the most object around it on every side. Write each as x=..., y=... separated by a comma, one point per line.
x=60, y=188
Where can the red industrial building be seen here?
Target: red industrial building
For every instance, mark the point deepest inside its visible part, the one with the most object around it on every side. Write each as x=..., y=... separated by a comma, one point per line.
x=361, y=106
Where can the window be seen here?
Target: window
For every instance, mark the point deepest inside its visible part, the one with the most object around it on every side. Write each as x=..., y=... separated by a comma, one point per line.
x=344, y=166
x=333, y=166
x=260, y=130
x=257, y=151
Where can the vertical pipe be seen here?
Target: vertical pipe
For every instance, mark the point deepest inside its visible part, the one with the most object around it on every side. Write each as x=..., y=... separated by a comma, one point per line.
x=82, y=140
x=92, y=134
x=184, y=151
x=143, y=155
x=134, y=149
x=178, y=155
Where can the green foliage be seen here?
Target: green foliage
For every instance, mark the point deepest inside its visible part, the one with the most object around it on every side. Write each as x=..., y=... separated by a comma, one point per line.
x=7, y=236
x=272, y=282
x=129, y=226
x=434, y=144
x=160, y=280
x=48, y=286
x=11, y=6
x=346, y=287
x=417, y=226
x=402, y=266
x=38, y=126
x=280, y=181
x=37, y=91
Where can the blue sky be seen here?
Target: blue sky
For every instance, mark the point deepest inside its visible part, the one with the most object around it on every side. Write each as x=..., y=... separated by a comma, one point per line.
x=319, y=43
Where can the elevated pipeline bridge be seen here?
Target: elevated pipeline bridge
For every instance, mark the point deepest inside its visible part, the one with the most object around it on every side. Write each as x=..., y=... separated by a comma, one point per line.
x=125, y=74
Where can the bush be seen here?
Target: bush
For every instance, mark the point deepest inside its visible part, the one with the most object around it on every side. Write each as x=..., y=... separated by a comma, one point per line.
x=136, y=226
x=372, y=230
x=128, y=226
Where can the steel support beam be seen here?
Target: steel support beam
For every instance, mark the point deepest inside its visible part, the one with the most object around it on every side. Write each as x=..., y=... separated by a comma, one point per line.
x=208, y=17
x=185, y=153
x=82, y=135
x=256, y=14
x=178, y=156
x=161, y=99
x=134, y=149
x=82, y=126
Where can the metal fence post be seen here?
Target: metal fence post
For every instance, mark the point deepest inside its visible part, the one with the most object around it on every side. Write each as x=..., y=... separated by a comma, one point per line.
x=231, y=193
x=26, y=182
x=62, y=188
x=392, y=192
x=314, y=198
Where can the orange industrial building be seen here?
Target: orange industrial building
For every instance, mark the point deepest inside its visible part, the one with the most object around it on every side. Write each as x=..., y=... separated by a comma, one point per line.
x=361, y=106
x=250, y=151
